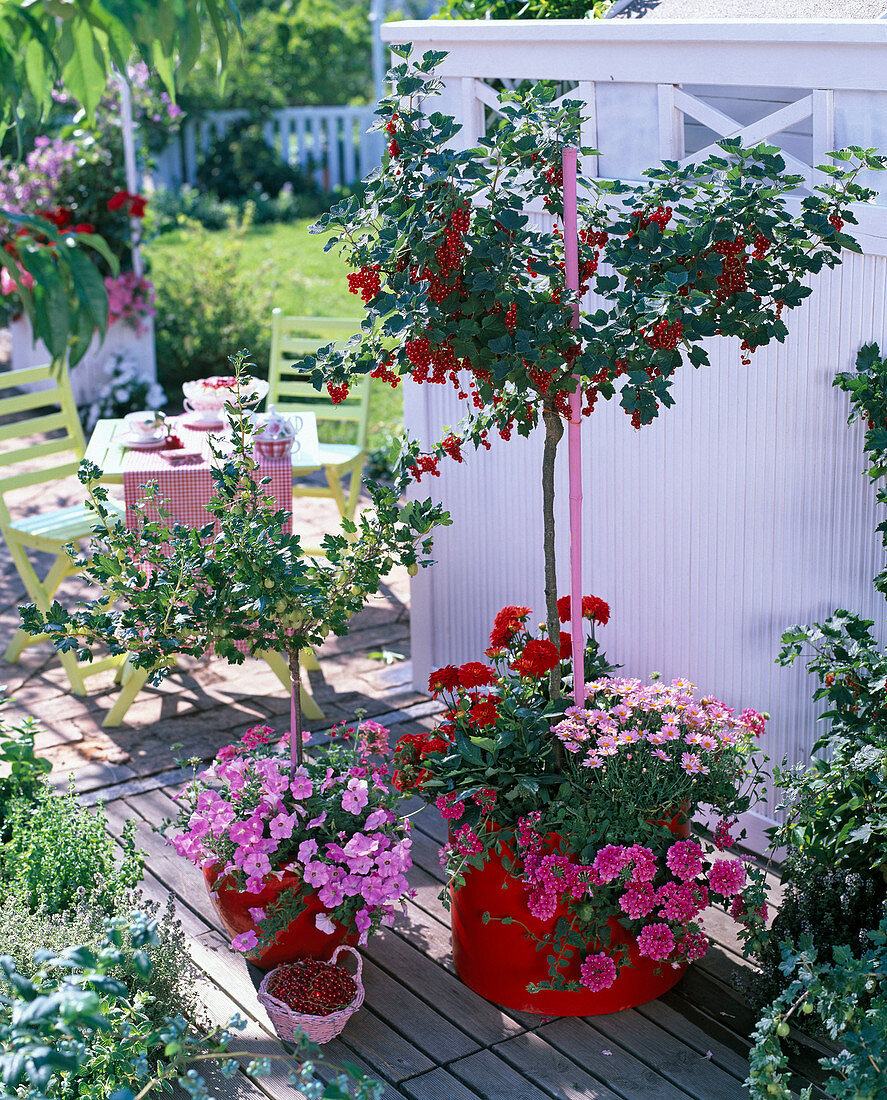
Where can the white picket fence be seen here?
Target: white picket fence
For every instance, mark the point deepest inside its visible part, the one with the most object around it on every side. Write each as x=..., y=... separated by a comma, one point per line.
x=743, y=510
x=331, y=143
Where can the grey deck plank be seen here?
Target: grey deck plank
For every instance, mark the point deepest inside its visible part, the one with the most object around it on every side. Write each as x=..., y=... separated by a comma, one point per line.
x=426, y=1028
x=439, y=1084
x=609, y=1062
x=693, y=1036
x=483, y=1021
x=493, y=1079
x=672, y=1058
x=551, y=1070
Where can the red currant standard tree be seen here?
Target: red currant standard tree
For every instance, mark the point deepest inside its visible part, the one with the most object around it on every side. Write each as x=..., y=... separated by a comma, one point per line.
x=461, y=289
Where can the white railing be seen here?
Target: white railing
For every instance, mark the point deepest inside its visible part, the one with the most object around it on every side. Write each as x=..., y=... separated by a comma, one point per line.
x=743, y=510
x=331, y=143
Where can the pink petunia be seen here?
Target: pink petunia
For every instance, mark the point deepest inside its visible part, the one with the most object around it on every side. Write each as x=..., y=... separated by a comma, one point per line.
x=246, y=941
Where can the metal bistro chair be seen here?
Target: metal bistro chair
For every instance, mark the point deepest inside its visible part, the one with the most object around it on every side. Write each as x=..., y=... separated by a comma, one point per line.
x=44, y=531
x=291, y=391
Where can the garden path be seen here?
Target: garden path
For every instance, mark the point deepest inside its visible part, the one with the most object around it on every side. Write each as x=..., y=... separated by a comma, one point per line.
x=422, y=1032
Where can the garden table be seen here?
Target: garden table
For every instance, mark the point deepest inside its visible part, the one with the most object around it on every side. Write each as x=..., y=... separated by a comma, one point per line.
x=186, y=490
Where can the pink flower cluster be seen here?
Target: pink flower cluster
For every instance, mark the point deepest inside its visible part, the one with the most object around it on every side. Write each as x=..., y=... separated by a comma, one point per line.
x=654, y=722
x=130, y=299
x=667, y=895
x=330, y=821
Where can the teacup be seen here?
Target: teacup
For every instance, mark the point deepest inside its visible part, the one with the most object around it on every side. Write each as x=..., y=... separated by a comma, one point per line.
x=146, y=423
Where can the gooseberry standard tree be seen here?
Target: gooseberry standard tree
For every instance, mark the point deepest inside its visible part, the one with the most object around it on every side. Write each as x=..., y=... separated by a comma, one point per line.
x=461, y=289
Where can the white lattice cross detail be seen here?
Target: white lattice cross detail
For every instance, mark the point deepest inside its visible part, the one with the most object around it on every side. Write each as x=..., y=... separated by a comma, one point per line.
x=674, y=103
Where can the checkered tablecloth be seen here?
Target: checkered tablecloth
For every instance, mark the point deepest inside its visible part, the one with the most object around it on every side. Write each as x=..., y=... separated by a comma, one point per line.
x=186, y=490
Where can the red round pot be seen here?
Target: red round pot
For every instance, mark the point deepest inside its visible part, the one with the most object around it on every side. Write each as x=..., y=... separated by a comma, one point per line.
x=299, y=940
x=498, y=961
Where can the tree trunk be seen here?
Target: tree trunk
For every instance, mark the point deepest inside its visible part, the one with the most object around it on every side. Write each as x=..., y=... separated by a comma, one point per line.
x=554, y=430
x=296, y=747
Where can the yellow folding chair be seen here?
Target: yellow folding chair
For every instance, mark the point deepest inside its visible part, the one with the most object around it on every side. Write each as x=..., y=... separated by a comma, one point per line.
x=51, y=412
x=291, y=390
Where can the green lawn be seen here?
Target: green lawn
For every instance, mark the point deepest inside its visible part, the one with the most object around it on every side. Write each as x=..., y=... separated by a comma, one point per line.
x=289, y=264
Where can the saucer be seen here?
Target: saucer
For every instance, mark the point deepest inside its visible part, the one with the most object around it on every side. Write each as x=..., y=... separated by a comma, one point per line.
x=195, y=420
x=139, y=443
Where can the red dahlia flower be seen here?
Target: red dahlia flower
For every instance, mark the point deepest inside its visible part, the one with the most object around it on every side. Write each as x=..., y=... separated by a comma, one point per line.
x=507, y=623
x=538, y=657
x=566, y=646
x=443, y=679
x=593, y=608
x=475, y=674
x=483, y=713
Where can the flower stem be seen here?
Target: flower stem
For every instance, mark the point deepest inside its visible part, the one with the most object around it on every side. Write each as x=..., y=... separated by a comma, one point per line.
x=554, y=430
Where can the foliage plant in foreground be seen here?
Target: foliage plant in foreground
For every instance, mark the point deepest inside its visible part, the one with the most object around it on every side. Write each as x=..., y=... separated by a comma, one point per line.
x=240, y=583
x=639, y=761
x=51, y=1022
x=332, y=822
x=462, y=289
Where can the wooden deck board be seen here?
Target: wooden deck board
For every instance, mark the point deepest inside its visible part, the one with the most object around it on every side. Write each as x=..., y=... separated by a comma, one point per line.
x=551, y=1070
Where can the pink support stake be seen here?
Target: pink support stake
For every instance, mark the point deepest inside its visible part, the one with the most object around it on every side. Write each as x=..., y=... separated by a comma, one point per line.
x=574, y=438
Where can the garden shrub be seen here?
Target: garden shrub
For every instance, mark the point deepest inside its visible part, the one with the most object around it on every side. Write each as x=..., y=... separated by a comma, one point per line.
x=240, y=164
x=208, y=307
x=60, y=856
x=525, y=9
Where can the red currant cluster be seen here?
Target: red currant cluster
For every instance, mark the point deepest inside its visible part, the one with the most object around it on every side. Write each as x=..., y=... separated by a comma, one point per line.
x=337, y=393
x=391, y=125
x=312, y=987
x=661, y=216
x=365, y=282
x=452, y=446
x=393, y=148
x=554, y=175
x=173, y=443
x=511, y=317
x=385, y=374
x=762, y=246
x=424, y=464
x=837, y=221
x=732, y=278
x=664, y=335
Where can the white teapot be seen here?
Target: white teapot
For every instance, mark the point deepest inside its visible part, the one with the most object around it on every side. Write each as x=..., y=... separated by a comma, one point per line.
x=274, y=433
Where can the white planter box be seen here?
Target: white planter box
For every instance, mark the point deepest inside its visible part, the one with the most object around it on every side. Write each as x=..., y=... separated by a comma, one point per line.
x=91, y=373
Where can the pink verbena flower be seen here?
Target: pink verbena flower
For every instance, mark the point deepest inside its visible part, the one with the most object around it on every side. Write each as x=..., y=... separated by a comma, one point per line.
x=597, y=972
x=684, y=859
x=609, y=861
x=467, y=842
x=542, y=904
x=727, y=877
x=638, y=900
x=682, y=901
x=723, y=837
x=644, y=863
x=655, y=941
x=694, y=946
x=450, y=805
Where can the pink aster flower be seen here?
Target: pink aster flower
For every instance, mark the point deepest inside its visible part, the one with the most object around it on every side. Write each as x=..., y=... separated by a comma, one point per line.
x=727, y=877
x=597, y=972
x=655, y=941
x=692, y=764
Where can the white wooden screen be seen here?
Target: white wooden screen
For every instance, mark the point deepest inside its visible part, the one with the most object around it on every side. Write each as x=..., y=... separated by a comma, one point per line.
x=743, y=510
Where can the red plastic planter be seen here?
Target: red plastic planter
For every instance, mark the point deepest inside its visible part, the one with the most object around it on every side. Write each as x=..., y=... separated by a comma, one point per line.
x=299, y=940
x=498, y=961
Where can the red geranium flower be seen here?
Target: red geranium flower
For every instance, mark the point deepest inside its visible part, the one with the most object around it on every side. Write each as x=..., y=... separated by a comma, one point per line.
x=444, y=679
x=506, y=624
x=566, y=646
x=118, y=200
x=475, y=674
x=593, y=608
x=538, y=657
x=137, y=204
